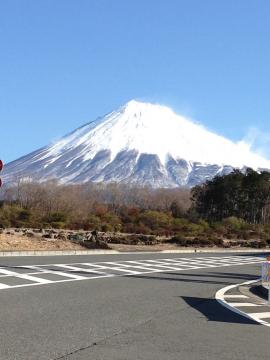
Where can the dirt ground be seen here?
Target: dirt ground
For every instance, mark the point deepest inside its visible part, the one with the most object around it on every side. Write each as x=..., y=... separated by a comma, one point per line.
x=18, y=242
x=158, y=247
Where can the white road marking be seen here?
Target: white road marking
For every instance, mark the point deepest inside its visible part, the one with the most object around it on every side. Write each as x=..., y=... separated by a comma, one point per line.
x=244, y=304
x=263, y=315
x=236, y=296
x=220, y=297
x=67, y=274
x=138, y=267
x=4, y=286
x=25, y=276
x=119, y=267
x=161, y=265
x=108, y=269
x=74, y=268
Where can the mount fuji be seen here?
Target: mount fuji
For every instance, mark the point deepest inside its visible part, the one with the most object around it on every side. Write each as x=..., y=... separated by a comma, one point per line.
x=140, y=143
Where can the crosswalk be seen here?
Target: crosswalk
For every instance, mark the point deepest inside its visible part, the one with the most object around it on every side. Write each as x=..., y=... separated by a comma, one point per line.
x=33, y=275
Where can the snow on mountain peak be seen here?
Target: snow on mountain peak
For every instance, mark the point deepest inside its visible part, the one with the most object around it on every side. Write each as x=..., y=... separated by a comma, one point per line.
x=142, y=143
x=156, y=129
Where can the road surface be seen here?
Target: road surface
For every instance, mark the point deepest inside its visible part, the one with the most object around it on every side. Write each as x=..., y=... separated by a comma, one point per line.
x=126, y=307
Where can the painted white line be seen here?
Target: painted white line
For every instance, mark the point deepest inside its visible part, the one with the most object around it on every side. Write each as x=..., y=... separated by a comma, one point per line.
x=25, y=276
x=69, y=275
x=57, y=281
x=119, y=267
x=74, y=268
x=202, y=264
x=169, y=263
x=236, y=296
x=8, y=272
x=243, y=304
x=34, y=278
x=142, y=262
x=94, y=265
x=180, y=262
x=125, y=267
x=137, y=267
x=155, y=264
x=125, y=271
x=4, y=286
x=264, y=315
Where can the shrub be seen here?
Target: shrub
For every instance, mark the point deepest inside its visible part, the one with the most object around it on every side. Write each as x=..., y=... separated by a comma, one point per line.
x=58, y=225
x=155, y=219
x=55, y=217
x=179, y=240
x=233, y=223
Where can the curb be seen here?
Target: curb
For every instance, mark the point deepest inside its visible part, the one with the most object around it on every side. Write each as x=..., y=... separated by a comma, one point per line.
x=220, y=299
x=215, y=251
x=117, y=252
x=56, y=253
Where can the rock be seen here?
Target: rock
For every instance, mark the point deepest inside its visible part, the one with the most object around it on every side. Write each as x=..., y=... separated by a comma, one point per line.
x=61, y=236
x=29, y=234
x=47, y=236
x=77, y=237
x=95, y=245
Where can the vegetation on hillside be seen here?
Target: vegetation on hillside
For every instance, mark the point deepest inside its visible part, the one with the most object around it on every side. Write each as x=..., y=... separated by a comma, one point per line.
x=234, y=208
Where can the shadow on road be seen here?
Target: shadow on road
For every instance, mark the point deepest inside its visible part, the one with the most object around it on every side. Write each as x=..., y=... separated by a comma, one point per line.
x=209, y=308
x=221, y=275
x=213, y=311
x=255, y=254
x=209, y=278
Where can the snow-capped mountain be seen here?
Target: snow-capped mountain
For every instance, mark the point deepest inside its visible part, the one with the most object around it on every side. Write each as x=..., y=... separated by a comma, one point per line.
x=139, y=143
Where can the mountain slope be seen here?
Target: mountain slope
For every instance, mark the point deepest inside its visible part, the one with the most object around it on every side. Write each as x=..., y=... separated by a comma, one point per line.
x=140, y=143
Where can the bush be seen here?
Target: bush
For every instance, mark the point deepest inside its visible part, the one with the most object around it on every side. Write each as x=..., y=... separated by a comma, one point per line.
x=106, y=227
x=55, y=217
x=155, y=219
x=233, y=223
x=58, y=225
x=179, y=224
x=92, y=223
x=179, y=240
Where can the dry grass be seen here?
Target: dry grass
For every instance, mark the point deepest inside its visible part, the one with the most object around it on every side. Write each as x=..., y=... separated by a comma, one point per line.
x=158, y=247
x=19, y=242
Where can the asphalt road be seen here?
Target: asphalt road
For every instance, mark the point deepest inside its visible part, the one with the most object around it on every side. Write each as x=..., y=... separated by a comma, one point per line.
x=168, y=315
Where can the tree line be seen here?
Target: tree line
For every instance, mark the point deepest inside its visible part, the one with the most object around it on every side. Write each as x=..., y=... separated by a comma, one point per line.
x=245, y=195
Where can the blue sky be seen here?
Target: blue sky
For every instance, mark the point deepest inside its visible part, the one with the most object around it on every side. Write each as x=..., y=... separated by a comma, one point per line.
x=65, y=62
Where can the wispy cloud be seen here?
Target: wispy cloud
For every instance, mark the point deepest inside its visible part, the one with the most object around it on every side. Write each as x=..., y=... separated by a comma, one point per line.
x=258, y=141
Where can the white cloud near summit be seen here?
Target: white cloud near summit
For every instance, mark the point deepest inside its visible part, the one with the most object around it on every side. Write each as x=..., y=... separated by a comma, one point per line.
x=258, y=141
